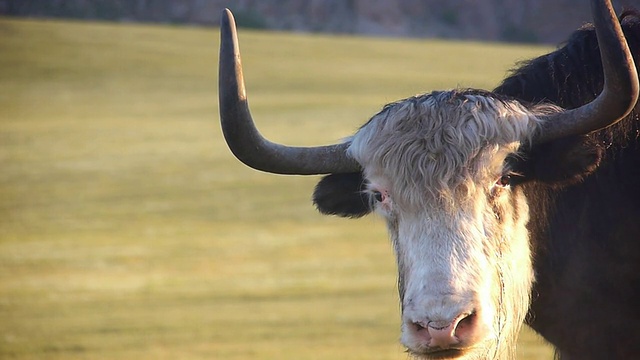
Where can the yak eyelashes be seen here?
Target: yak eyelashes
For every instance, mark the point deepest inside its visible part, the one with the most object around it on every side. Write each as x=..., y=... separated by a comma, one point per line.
x=504, y=180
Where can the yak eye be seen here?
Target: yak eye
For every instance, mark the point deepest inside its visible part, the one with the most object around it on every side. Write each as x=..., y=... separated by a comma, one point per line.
x=378, y=196
x=505, y=180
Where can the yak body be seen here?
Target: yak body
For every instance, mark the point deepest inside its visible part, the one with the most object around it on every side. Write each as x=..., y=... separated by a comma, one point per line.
x=586, y=234
x=583, y=195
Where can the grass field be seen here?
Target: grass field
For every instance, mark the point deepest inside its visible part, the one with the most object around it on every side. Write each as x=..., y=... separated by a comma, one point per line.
x=128, y=231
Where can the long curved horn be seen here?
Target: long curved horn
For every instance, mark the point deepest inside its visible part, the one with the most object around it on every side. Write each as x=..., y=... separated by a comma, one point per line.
x=620, y=92
x=241, y=134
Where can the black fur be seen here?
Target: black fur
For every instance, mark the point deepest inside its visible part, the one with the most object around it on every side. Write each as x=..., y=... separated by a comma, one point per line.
x=560, y=163
x=342, y=195
x=586, y=233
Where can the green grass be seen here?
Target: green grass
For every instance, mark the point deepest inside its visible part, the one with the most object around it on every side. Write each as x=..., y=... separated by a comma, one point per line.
x=127, y=229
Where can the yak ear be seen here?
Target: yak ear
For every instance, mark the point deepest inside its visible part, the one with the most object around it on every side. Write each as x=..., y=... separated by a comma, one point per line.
x=566, y=161
x=343, y=195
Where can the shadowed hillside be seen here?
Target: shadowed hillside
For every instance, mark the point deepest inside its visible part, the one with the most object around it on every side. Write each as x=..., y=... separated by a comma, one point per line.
x=548, y=21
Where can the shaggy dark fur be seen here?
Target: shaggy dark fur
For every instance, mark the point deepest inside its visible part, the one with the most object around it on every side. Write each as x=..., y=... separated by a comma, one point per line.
x=586, y=234
x=343, y=195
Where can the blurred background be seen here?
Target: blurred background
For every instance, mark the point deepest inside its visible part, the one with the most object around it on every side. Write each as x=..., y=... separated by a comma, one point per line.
x=129, y=231
x=531, y=21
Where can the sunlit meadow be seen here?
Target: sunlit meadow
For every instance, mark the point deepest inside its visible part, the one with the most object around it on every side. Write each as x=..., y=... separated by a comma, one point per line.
x=128, y=230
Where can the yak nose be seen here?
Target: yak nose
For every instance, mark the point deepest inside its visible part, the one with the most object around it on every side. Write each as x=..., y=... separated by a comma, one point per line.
x=460, y=332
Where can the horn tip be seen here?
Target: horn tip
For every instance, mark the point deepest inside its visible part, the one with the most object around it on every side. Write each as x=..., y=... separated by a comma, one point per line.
x=227, y=16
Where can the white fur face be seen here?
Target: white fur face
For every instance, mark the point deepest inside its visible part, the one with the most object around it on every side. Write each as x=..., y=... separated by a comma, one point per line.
x=436, y=166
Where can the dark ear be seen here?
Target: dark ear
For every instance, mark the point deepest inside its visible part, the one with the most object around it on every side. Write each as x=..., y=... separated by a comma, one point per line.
x=342, y=195
x=566, y=161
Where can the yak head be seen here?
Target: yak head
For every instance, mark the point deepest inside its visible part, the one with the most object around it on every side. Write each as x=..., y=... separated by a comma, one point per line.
x=446, y=172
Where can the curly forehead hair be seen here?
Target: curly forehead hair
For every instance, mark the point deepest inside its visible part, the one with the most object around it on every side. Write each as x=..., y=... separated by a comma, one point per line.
x=440, y=140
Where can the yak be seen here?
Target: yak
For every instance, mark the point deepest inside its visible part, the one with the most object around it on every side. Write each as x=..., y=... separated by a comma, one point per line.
x=503, y=206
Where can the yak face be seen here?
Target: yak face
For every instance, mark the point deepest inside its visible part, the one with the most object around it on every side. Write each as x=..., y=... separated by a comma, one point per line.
x=443, y=170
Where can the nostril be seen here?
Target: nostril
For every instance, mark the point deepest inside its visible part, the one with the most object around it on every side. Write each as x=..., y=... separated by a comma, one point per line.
x=465, y=326
x=446, y=334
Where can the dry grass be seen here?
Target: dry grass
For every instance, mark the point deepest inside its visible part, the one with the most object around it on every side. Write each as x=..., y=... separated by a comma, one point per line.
x=127, y=230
